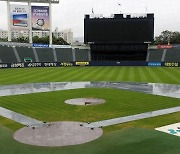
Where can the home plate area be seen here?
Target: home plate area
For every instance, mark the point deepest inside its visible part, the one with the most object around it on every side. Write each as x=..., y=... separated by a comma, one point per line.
x=173, y=129
x=57, y=134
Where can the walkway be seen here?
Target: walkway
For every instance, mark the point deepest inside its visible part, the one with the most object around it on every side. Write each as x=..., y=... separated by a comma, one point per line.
x=168, y=90
x=132, y=117
x=22, y=119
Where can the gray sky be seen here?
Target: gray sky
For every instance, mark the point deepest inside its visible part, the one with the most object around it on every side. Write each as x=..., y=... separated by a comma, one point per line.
x=70, y=13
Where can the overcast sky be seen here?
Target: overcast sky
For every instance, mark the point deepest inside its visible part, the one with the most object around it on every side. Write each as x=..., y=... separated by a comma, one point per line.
x=70, y=13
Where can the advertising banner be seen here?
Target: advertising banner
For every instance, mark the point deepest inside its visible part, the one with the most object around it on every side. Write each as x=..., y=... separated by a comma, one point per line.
x=40, y=18
x=92, y=63
x=176, y=45
x=60, y=46
x=164, y=46
x=37, y=45
x=19, y=17
x=171, y=64
x=156, y=64
x=152, y=47
x=82, y=63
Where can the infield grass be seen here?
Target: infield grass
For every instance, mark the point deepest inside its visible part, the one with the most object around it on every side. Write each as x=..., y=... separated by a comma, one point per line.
x=50, y=106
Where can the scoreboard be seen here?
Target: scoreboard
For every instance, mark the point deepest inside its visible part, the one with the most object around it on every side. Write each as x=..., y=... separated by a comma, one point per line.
x=119, y=30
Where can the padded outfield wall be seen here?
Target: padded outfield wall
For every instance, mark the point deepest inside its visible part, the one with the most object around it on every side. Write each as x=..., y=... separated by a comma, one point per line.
x=92, y=63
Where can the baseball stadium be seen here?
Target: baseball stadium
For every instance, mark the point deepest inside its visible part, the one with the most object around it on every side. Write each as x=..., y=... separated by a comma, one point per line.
x=117, y=93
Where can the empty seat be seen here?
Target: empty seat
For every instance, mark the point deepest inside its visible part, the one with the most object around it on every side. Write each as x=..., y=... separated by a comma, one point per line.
x=173, y=55
x=64, y=54
x=45, y=54
x=25, y=52
x=7, y=54
x=81, y=54
x=155, y=54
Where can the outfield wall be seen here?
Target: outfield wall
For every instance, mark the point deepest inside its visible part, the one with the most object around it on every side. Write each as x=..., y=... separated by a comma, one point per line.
x=91, y=63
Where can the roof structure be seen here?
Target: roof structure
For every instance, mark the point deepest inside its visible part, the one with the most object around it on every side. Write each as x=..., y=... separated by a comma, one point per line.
x=34, y=1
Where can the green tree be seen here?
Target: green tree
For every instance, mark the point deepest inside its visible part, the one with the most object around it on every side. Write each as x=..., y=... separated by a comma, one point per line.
x=21, y=39
x=4, y=39
x=168, y=37
x=43, y=40
x=59, y=41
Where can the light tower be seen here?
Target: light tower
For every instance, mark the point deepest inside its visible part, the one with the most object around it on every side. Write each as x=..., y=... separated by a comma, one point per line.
x=18, y=19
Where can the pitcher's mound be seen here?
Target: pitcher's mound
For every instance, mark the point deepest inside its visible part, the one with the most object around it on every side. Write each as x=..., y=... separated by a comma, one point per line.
x=85, y=101
x=57, y=134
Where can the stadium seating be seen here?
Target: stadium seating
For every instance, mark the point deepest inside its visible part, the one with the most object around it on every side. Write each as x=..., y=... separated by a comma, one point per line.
x=173, y=55
x=81, y=54
x=7, y=54
x=64, y=54
x=45, y=54
x=155, y=54
x=25, y=52
x=13, y=54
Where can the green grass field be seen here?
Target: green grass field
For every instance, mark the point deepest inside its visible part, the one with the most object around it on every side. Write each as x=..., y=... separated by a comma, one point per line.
x=132, y=74
x=128, y=141
x=137, y=137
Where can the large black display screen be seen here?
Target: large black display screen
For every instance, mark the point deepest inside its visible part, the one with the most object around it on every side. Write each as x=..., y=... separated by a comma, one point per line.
x=119, y=30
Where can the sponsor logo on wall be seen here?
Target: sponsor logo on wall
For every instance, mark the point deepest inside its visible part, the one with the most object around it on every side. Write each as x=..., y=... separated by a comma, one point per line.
x=38, y=45
x=171, y=64
x=154, y=64
x=82, y=63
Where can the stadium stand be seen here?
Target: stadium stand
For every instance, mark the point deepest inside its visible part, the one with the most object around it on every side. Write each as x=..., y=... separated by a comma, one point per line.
x=25, y=52
x=155, y=54
x=54, y=54
x=35, y=54
x=20, y=53
x=81, y=54
x=173, y=55
x=16, y=54
x=45, y=54
x=64, y=54
x=7, y=54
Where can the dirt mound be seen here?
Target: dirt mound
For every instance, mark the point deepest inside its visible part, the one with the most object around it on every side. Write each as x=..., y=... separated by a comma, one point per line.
x=85, y=101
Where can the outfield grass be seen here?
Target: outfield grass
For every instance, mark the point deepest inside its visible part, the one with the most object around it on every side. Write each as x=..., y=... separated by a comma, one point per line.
x=132, y=74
